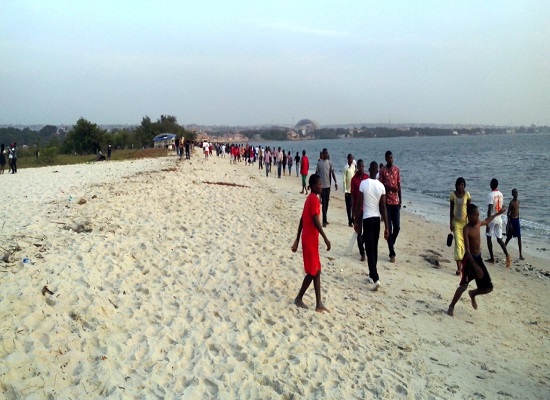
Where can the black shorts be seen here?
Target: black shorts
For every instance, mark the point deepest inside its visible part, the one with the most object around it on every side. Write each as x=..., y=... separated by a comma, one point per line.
x=468, y=274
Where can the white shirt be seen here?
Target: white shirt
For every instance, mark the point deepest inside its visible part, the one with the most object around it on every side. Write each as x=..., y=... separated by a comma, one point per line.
x=496, y=199
x=372, y=190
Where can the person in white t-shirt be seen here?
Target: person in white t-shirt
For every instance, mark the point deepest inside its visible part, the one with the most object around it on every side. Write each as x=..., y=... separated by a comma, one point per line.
x=372, y=195
x=495, y=201
x=206, y=148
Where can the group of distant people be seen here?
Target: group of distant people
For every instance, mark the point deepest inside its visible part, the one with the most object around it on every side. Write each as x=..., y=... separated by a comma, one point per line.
x=12, y=158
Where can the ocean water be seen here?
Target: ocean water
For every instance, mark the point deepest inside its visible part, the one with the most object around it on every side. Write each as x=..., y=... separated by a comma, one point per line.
x=430, y=165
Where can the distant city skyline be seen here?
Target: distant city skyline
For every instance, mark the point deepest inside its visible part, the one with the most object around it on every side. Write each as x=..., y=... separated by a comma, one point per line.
x=246, y=63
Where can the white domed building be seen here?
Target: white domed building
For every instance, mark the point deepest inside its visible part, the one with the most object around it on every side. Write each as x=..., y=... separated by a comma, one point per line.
x=305, y=126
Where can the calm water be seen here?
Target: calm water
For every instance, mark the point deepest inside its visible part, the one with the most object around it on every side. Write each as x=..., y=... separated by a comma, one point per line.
x=430, y=165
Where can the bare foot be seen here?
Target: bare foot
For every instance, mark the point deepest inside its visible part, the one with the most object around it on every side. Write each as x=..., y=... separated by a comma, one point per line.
x=473, y=297
x=508, y=261
x=521, y=258
x=490, y=260
x=450, y=311
x=299, y=303
x=363, y=258
x=457, y=272
x=321, y=309
x=392, y=259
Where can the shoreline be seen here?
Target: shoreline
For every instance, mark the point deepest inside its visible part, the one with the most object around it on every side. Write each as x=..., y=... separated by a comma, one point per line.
x=183, y=288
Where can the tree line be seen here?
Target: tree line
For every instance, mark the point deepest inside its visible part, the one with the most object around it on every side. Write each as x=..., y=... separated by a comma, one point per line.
x=86, y=137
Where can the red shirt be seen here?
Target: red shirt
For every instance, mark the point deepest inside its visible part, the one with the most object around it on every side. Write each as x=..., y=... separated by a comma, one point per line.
x=391, y=178
x=310, y=235
x=355, y=183
x=304, y=167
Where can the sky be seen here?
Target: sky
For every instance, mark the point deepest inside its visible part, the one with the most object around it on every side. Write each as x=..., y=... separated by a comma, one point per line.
x=275, y=62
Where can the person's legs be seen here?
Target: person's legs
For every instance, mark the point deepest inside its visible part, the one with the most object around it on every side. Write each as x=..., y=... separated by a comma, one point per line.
x=478, y=292
x=461, y=289
x=371, y=233
x=393, y=221
x=14, y=165
x=360, y=242
x=325, y=195
x=348, y=208
x=519, y=246
x=458, y=232
x=279, y=167
x=305, y=284
x=319, y=307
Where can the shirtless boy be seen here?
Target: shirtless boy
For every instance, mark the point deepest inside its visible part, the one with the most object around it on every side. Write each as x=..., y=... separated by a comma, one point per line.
x=310, y=228
x=513, y=228
x=472, y=264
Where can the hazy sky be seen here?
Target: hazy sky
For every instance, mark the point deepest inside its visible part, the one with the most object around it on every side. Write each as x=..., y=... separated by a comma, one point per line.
x=254, y=62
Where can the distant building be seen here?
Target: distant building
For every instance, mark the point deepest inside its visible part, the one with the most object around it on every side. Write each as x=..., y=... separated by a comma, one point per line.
x=306, y=126
x=164, y=141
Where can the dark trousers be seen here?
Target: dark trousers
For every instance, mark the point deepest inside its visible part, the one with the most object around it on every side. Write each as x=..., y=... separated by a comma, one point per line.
x=394, y=226
x=348, y=207
x=325, y=196
x=360, y=243
x=371, y=233
x=279, y=168
x=13, y=165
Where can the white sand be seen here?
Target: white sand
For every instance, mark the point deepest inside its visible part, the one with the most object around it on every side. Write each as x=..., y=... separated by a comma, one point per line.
x=184, y=289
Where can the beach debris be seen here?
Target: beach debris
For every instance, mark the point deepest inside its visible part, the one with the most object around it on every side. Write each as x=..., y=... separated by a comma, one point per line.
x=79, y=227
x=225, y=184
x=46, y=290
x=434, y=258
x=8, y=258
x=82, y=201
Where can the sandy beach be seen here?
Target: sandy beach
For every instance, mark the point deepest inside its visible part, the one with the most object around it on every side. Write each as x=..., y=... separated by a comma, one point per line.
x=166, y=285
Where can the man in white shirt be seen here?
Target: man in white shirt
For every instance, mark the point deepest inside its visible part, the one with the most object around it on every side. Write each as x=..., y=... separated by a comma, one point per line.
x=495, y=201
x=372, y=194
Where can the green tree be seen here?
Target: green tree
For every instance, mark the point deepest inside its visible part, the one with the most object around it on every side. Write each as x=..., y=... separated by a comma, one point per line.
x=85, y=138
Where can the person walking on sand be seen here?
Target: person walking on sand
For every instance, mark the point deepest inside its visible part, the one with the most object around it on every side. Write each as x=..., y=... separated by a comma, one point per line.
x=304, y=170
x=357, y=206
x=495, y=201
x=325, y=171
x=297, y=162
x=372, y=195
x=279, y=162
x=349, y=171
x=459, y=201
x=109, y=151
x=2, y=158
x=188, y=152
x=309, y=229
x=472, y=265
x=513, y=228
x=13, y=154
x=289, y=163
x=267, y=161
x=391, y=179
x=10, y=158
